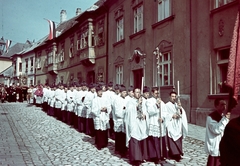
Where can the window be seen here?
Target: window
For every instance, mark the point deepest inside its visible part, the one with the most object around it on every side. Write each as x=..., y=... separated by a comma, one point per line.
x=26, y=61
x=71, y=48
x=119, y=74
x=61, y=55
x=165, y=69
x=38, y=60
x=219, y=3
x=78, y=41
x=71, y=54
x=20, y=66
x=50, y=57
x=84, y=40
x=138, y=18
x=119, y=29
x=222, y=67
x=164, y=9
x=31, y=61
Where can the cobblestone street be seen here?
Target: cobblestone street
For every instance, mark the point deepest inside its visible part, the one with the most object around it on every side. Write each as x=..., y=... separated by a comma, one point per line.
x=30, y=137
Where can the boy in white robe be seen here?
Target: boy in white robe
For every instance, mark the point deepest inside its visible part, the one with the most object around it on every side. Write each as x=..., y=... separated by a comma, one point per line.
x=51, y=100
x=59, y=99
x=70, y=104
x=177, y=127
x=91, y=94
x=101, y=109
x=119, y=107
x=64, y=105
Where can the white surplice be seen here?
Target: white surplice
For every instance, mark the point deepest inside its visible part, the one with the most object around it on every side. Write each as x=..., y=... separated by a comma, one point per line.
x=154, y=113
x=176, y=127
x=101, y=119
x=135, y=127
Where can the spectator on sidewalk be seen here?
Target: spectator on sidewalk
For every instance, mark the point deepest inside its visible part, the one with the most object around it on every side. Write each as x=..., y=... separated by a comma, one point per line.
x=230, y=144
x=215, y=125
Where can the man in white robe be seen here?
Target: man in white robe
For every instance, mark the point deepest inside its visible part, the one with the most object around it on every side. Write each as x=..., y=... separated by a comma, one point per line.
x=177, y=127
x=215, y=125
x=64, y=104
x=119, y=108
x=136, y=129
x=45, y=98
x=51, y=100
x=101, y=109
x=91, y=94
x=109, y=94
x=157, y=113
x=59, y=100
x=70, y=104
x=130, y=93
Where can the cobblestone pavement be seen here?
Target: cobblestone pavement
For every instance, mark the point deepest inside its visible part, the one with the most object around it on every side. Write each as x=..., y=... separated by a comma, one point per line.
x=30, y=137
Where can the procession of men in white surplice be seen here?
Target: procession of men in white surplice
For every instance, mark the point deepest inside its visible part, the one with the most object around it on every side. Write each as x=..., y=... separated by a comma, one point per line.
x=145, y=128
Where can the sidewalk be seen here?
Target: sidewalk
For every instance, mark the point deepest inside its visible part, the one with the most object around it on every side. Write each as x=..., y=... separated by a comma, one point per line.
x=196, y=132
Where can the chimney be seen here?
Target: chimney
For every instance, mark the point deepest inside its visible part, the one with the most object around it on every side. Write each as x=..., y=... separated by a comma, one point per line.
x=63, y=16
x=78, y=11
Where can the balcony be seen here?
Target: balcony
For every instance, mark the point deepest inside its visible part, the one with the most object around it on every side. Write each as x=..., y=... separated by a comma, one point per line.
x=52, y=68
x=87, y=56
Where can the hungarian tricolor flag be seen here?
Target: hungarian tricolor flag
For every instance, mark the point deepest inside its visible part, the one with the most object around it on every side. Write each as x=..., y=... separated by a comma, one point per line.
x=233, y=74
x=8, y=43
x=52, y=30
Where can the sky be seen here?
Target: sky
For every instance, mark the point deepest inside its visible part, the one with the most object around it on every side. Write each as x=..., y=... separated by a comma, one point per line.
x=23, y=20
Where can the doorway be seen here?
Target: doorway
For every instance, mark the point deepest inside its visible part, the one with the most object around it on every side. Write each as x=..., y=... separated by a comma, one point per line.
x=90, y=77
x=137, y=76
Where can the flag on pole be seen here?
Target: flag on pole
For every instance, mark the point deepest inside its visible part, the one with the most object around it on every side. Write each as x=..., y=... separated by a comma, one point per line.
x=8, y=44
x=52, y=30
x=233, y=73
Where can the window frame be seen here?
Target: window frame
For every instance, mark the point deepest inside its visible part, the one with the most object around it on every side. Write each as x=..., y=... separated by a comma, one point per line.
x=164, y=9
x=119, y=74
x=120, y=28
x=221, y=69
x=138, y=13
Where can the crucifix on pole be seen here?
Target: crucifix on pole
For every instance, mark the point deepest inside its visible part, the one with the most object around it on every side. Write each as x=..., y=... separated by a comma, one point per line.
x=158, y=54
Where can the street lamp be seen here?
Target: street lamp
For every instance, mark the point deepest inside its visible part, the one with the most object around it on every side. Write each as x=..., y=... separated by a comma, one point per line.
x=2, y=44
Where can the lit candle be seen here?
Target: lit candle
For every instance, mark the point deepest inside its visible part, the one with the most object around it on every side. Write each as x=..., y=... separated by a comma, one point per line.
x=178, y=90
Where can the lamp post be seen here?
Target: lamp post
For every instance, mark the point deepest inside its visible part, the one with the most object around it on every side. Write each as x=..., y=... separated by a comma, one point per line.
x=2, y=44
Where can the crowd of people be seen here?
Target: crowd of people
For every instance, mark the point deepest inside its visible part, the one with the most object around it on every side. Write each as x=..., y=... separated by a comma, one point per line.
x=13, y=93
x=143, y=126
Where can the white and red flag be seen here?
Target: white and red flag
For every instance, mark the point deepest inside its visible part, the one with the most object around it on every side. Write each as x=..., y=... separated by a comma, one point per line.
x=8, y=44
x=52, y=30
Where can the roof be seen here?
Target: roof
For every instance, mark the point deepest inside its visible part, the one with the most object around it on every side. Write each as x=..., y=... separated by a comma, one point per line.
x=14, y=49
x=7, y=72
x=66, y=25
x=30, y=46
